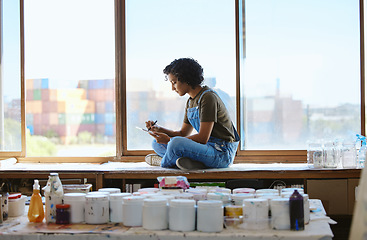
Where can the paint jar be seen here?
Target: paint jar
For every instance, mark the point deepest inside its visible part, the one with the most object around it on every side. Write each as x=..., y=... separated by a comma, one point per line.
x=306, y=208
x=77, y=204
x=132, y=211
x=280, y=214
x=220, y=190
x=182, y=215
x=233, y=211
x=210, y=216
x=291, y=190
x=184, y=196
x=267, y=191
x=110, y=190
x=96, y=209
x=62, y=214
x=116, y=206
x=238, y=198
x=243, y=190
x=224, y=197
x=148, y=190
x=16, y=204
x=198, y=193
x=255, y=213
x=155, y=214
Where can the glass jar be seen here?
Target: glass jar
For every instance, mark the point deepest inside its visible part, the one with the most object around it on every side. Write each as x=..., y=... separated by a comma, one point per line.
x=62, y=214
x=315, y=155
x=329, y=155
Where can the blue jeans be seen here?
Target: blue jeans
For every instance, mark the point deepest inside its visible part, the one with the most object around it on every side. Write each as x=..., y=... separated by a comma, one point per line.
x=215, y=154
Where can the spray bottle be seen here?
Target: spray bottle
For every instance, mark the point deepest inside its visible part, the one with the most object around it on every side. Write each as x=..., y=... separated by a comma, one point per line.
x=362, y=151
x=35, y=211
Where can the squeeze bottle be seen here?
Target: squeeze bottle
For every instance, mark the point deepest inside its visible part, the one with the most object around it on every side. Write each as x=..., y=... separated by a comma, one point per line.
x=35, y=211
x=53, y=195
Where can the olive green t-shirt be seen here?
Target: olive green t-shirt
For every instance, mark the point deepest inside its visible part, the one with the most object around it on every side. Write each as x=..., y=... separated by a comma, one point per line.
x=212, y=109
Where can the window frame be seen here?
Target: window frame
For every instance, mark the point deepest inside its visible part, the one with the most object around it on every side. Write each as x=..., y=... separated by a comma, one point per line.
x=122, y=154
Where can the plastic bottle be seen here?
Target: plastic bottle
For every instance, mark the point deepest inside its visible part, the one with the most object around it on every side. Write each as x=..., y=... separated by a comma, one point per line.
x=53, y=194
x=4, y=200
x=35, y=211
x=296, y=211
x=362, y=151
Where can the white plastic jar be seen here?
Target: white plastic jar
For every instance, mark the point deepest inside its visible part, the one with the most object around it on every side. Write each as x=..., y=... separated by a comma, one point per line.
x=280, y=214
x=255, y=213
x=77, y=204
x=182, y=215
x=243, y=190
x=198, y=193
x=116, y=206
x=110, y=190
x=132, y=211
x=224, y=197
x=16, y=204
x=239, y=197
x=97, y=210
x=155, y=214
x=210, y=216
x=306, y=207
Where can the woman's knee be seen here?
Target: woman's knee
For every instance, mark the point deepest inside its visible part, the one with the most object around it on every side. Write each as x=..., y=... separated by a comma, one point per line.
x=177, y=143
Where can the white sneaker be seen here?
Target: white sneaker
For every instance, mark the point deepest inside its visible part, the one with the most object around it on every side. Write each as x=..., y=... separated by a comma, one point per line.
x=187, y=164
x=153, y=159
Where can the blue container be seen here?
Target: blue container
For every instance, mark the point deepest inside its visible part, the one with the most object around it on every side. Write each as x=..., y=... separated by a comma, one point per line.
x=99, y=118
x=108, y=130
x=109, y=118
x=109, y=107
x=44, y=83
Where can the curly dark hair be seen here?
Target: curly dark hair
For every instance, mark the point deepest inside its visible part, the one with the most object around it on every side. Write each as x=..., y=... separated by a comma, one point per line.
x=187, y=70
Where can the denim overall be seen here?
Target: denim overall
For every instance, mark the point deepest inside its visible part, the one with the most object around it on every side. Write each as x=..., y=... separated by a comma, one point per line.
x=216, y=153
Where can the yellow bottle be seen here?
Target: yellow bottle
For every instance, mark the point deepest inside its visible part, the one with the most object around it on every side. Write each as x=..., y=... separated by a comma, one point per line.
x=35, y=211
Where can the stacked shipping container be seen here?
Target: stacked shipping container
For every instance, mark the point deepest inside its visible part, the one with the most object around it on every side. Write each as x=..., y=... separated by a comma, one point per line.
x=68, y=112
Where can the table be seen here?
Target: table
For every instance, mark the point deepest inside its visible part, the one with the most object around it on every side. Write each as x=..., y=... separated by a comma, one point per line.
x=19, y=228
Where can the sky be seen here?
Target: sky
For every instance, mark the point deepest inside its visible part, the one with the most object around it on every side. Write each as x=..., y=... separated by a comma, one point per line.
x=315, y=58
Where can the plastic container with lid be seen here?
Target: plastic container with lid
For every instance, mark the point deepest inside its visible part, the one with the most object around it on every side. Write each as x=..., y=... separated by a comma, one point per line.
x=116, y=206
x=233, y=211
x=210, y=216
x=132, y=211
x=16, y=204
x=62, y=214
x=220, y=190
x=306, y=208
x=243, y=190
x=155, y=214
x=224, y=197
x=255, y=214
x=280, y=214
x=238, y=198
x=97, y=210
x=76, y=202
x=198, y=193
x=267, y=191
x=110, y=190
x=182, y=215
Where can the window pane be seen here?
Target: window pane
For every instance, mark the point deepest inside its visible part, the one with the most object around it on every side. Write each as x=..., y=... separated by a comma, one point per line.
x=300, y=72
x=10, y=90
x=157, y=32
x=70, y=69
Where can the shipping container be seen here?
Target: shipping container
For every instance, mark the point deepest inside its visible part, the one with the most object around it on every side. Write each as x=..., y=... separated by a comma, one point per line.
x=49, y=106
x=37, y=83
x=45, y=94
x=34, y=107
x=44, y=83
x=37, y=118
x=88, y=118
x=100, y=129
x=54, y=118
x=45, y=119
x=87, y=128
x=83, y=84
x=109, y=118
x=110, y=83
x=100, y=107
x=36, y=94
x=62, y=119
x=29, y=84
x=29, y=94
x=109, y=107
x=108, y=130
x=99, y=118
x=29, y=119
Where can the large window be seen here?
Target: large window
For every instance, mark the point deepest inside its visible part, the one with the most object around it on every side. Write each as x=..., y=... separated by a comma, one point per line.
x=69, y=78
x=157, y=32
x=289, y=71
x=300, y=73
x=10, y=81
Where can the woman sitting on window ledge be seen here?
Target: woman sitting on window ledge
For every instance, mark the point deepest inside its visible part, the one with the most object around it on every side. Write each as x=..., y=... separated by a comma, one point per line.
x=216, y=141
